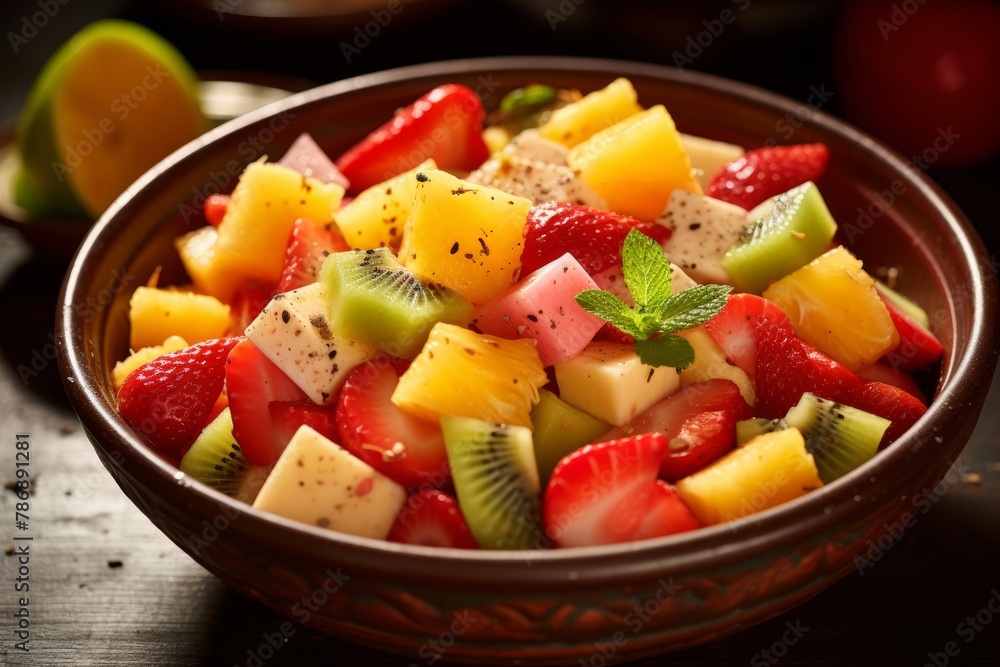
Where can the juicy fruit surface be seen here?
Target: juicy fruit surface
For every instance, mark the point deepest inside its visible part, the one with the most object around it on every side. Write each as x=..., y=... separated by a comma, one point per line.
x=431, y=518
x=558, y=429
x=733, y=328
x=918, y=348
x=767, y=172
x=170, y=399
x=596, y=111
x=308, y=246
x=156, y=314
x=892, y=403
x=375, y=218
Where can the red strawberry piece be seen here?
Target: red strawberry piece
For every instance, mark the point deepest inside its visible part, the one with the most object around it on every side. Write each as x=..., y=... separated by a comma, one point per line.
x=892, y=403
x=308, y=245
x=288, y=416
x=767, y=172
x=882, y=372
x=446, y=124
x=306, y=157
x=215, y=208
x=594, y=237
x=405, y=449
x=249, y=299
x=787, y=367
x=699, y=422
x=431, y=518
x=733, y=328
x=253, y=382
x=614, y=334
x=606, y=494
x=170, y=399
x=918, y=348
x=666, y=514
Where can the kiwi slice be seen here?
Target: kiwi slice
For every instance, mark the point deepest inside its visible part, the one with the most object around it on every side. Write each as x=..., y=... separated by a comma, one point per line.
x=904, y=303
x=839, y=437
x=372, y=298
x=216, y=460
x=558, y=429
x=748, y=429
x=796, y=229
x=496, y=481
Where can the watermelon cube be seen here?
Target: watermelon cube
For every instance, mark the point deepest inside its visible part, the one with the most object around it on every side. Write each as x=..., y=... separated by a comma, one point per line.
x=543, y=306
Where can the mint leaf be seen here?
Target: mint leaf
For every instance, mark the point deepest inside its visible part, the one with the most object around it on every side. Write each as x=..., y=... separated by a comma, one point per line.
x=692, y=307
x=646, y=269
x=667, y=350
x=611, y=309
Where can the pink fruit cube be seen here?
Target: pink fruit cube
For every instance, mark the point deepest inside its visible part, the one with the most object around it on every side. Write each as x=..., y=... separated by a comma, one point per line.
x=542, y=306
x=306, y=157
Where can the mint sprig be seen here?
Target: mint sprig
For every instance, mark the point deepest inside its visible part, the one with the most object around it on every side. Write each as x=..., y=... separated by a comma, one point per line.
x=658, y=314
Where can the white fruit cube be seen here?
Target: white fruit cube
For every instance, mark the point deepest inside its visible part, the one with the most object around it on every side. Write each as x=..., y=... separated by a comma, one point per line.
x=320, y=483
x=703, y=229
x=708, y=155
x=608, y=381
x=292, y=331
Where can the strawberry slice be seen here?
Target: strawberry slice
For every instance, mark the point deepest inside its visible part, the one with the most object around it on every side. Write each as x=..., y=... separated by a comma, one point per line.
x=288, y=416
x=918, y=348
x=593, y=237
x=787, y=367
x=445, y=125
x=253, y=382
x=308, y=245
x=699, y=422
x=609, y=493
x=882, y=372
x=767, y=172
x=892, y=403
x=249, y=299
x=215, y=208
x=431, y=518
x=733, y=328
x=405, y=449
x=170, y=399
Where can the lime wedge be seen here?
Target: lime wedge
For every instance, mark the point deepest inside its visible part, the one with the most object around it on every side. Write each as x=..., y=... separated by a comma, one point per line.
x=113, y=101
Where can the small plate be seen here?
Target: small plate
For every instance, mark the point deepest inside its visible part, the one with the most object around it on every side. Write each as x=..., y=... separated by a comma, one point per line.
x=224, y=96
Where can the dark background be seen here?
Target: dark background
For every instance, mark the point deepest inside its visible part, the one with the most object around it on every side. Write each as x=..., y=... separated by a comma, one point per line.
x=161, y=608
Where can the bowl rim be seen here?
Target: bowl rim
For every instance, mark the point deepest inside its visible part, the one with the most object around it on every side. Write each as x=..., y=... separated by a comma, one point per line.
x=721, y=543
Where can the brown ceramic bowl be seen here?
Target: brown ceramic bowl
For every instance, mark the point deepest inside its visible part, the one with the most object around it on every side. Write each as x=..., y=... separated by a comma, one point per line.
x=545, y=607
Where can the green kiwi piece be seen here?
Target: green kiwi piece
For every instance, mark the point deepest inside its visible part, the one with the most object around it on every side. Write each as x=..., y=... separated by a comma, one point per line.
x=839, y=437
x=216, y=460
x=372, y=298
x=496, y=481
x=904, y=303
x=748, y=429
x=796, y=229
x=558, y=429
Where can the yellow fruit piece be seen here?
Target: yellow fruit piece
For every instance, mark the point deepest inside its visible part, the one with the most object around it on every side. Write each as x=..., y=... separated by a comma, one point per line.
x=496, y=137
x=833, y=304
x=154, y=314
x=197, y=253
x=143, y=356
x=253, y=235
x=710, y=364
x=464, y=236
x=771, y=469
x=376, y=217
x=600, y=109
x=635, y=164
x=460, y=373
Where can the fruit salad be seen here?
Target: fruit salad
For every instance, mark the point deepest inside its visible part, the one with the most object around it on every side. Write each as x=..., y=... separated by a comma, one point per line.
x=563, y=324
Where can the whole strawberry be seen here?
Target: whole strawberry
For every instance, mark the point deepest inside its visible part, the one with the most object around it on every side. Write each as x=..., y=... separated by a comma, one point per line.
x=593, y=237
x=170, y=399
x=767, y=172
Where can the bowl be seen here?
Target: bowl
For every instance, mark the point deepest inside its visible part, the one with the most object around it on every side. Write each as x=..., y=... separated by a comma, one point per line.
x=611, y=603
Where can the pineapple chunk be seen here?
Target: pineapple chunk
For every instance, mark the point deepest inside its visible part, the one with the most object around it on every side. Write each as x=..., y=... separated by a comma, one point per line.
x=833, y=304
x=708, y=156
x=635, y=164
x=154, y=314
x=464, y=236
x=582, y=119
x=710, y=364
x=703, y=229
x=143, y=356
x=197, y=253
x=607, y=381
x=375, y=218
x=460, y=373
x=771, y=469
x=253, y=235
x=320, y=483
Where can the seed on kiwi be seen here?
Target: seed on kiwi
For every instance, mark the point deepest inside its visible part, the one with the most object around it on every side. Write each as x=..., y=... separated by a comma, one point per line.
x=748, y=429
x=215, y=459
x=496, y=481
x=374, y=299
